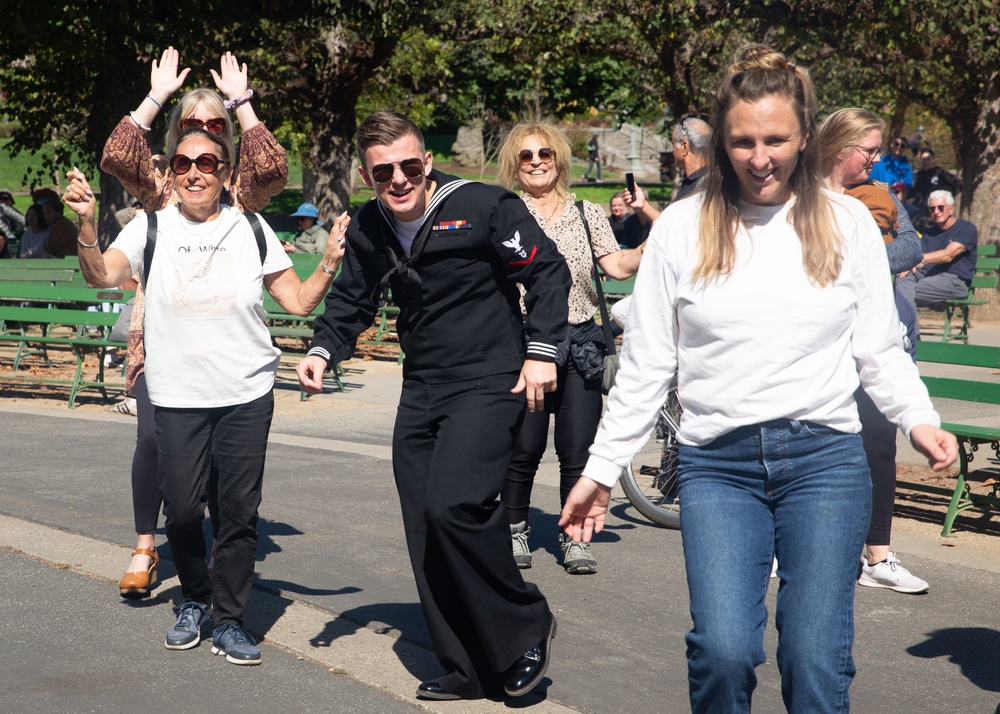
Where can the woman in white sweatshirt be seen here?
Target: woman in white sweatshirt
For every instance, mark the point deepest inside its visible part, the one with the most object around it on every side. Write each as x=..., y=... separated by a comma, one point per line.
x=768, y=300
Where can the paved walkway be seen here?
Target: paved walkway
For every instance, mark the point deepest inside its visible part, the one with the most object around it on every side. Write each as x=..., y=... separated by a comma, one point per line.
x=334, y=596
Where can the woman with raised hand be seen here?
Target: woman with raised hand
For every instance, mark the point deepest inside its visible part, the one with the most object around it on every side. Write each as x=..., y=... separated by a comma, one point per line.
x=768, y=303
x=850, y=145
x=260, y=174
x=210, y=368
x=535, y=159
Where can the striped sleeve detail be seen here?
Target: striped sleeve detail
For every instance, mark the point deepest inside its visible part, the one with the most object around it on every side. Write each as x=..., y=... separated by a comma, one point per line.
x=541, y=351
x=320, y=352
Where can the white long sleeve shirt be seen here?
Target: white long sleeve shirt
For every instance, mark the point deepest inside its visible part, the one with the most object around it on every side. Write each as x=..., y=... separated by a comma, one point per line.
x=763, y=343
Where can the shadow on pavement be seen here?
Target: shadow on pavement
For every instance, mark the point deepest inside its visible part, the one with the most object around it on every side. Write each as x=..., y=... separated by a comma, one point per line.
x=973, y=649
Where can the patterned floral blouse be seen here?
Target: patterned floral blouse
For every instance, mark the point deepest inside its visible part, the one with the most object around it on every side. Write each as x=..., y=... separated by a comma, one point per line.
x=571, y=239
x=261, y=174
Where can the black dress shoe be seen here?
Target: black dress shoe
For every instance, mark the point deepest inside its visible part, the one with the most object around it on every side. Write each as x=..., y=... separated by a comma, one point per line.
x=527, y=672
x=432, y=689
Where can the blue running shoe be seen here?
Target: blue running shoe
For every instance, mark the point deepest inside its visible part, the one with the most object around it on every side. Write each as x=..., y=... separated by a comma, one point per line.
x=236, y=643
x=186, y=632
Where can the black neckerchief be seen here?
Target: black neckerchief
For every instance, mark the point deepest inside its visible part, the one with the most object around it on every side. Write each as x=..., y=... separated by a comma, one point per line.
x=401, y=264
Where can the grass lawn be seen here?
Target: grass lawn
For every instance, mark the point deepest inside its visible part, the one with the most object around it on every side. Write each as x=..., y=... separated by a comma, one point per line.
x=13, y=169
x=12, y=172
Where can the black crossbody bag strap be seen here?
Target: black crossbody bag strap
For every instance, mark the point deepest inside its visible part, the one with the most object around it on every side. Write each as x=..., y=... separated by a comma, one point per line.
x=605, y=320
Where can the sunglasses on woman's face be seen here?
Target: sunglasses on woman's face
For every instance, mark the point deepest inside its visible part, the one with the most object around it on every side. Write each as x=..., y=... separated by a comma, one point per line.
x=206, y=163
x=411, y=168
x=544, y=154
x=215, y=126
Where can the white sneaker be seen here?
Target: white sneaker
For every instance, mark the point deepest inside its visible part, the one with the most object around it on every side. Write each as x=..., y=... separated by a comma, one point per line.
x=125, y=406
x=891, y=574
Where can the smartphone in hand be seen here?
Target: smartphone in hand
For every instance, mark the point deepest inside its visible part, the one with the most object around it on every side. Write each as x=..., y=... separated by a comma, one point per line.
x=630, y=184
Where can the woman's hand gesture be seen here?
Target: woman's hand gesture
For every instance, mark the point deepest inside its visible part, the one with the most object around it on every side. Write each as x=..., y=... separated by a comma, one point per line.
x=164, y=79
x=335, y=244
x=231, y=79
x=79, y=196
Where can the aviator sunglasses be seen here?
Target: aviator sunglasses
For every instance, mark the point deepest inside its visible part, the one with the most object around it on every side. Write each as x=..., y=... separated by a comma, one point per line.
x=215, y=126
x=411, y=168
x=206, y=163
x=544, y=154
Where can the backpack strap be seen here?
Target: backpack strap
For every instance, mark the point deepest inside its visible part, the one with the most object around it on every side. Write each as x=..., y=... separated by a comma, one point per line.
x=258, y=232
x=147, y=253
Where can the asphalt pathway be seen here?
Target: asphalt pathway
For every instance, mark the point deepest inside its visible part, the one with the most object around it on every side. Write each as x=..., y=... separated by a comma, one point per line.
x=334, y=597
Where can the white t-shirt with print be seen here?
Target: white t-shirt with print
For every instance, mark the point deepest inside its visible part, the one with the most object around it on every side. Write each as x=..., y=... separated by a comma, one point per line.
x=206, y=341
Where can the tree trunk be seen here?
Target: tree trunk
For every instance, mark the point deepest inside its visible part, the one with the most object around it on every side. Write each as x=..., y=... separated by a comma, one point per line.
x=331, y=153
x=981, y=179
x=114, y=197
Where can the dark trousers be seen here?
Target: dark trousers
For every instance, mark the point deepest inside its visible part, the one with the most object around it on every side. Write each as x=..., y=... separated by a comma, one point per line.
x=576, y=405
x=145, y=482
x=451, y=446
x=188, y=442
x=146, y=498
x=878, y=435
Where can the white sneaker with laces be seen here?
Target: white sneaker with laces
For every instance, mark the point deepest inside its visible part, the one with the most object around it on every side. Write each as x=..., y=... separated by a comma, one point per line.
x=892, y=575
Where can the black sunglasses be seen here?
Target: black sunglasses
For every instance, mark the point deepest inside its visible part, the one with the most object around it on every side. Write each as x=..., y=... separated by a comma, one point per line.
x=544, y=154
x=206, y=163
x=411, y=168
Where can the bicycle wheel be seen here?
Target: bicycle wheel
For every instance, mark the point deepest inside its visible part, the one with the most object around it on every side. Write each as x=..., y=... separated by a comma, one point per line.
x=650, y=480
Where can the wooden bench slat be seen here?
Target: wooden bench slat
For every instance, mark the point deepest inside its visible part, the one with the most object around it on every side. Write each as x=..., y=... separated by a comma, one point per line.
x=963, y=389
x=979, y=433
x=966, y=355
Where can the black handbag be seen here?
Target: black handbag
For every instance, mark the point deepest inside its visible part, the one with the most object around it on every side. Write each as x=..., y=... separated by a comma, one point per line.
x=611, y=358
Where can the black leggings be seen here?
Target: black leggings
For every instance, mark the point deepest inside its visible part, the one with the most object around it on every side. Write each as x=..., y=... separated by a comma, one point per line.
x=146, y=497
x=576, y=405
x=879, y=437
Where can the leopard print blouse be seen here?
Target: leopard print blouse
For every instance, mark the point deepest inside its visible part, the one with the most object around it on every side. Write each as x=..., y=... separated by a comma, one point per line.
x=571, y=239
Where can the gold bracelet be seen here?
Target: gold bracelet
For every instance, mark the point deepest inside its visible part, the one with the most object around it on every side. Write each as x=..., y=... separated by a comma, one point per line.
x=326, y=269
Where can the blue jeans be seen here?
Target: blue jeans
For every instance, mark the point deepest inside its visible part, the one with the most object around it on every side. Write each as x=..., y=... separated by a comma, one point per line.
x=797, y=491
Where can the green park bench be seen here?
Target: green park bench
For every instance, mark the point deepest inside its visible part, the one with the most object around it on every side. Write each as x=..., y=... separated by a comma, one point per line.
x=956, y=312
x=970, y=436
x=615, y=290
x=39, y=316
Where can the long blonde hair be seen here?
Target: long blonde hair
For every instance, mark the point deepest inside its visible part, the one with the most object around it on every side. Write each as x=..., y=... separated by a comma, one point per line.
x=187, y=106
x=758, y=72
x=509, y=156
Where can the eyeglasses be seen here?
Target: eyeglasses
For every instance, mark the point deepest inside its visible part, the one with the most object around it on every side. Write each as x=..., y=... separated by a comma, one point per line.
x=411, y=168
x=935, y=209
x=870, y=153
x=215, y=126
x=206, y=163
x=544, y=154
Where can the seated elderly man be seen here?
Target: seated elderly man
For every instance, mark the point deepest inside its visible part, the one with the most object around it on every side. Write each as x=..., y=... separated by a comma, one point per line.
x=949, y=256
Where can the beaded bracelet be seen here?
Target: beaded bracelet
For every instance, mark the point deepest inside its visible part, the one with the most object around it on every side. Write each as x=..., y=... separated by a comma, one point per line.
x=150, y=96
